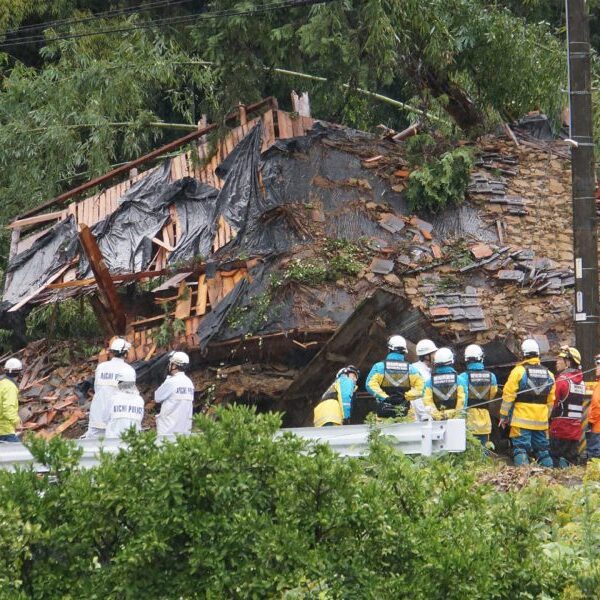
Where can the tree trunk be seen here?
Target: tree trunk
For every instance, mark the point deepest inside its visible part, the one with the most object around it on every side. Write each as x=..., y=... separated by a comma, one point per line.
x=460, y=106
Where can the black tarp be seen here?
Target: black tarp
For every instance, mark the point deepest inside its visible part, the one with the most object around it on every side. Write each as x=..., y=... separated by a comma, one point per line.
x=28, y=270
x=195, y=210
x=125, y=236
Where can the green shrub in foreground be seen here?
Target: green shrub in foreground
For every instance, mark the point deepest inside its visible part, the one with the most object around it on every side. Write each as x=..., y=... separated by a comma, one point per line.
x=234, y=513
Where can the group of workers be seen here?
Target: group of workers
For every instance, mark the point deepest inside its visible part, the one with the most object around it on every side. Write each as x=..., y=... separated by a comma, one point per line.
x=117, y=404
x=544, y=414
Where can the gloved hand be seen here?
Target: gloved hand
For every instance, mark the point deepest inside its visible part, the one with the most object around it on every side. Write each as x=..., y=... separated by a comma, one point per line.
x=386, y=410
x=396, y=399
x=503, y=422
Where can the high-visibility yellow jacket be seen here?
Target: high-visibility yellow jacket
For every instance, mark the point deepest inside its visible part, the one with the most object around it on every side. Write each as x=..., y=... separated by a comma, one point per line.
x=9, y=406
x=456, y=402
x=380, y=385
x=522, y=404
x=478, y=419
x=335, y=403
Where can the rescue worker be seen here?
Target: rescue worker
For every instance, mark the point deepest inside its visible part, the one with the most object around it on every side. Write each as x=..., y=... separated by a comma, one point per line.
x=445, y=395
x=9, y=400
x=482, y=387
x=567, y=412
x=425, y=350
x=105, y=386
x=394, y=382
x=176, y=396
x=127, y=407
x=593, y=435
x=336, y=403
x=526, y=403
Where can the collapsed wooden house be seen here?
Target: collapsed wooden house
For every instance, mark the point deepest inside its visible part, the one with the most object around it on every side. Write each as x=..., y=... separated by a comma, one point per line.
x=290, y=240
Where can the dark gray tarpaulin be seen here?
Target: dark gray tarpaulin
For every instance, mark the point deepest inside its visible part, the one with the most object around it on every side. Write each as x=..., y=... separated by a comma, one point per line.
x=124, y=237
x=28, y=270
x=195, y=207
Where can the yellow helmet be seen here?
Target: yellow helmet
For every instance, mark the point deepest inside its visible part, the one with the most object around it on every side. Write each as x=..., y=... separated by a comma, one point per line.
x=570, y=352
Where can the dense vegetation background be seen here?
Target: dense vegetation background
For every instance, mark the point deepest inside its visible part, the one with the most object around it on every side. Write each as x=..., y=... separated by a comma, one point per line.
x=86, y=84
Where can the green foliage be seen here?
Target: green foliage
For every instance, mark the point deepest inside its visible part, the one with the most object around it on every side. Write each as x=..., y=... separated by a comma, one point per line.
x=169, y=330
x=238, y=513
x=63, y=320
x=441, y=182
x=252, y=317
x=343, y=258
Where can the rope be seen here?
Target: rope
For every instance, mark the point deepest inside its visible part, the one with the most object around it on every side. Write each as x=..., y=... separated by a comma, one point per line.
x=520, y=392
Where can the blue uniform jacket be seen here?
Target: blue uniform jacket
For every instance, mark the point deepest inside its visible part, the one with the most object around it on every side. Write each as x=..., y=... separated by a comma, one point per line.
x=375, y=379
x=463, y=378
x=347, y=387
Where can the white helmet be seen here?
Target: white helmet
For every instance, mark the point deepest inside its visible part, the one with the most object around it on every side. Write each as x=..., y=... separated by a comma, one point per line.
x=443, y=357
x=119, y=345
x=425, y=347
x=127, y=377
x=179, y=359
x=474, y=353
x=13, y=365
x=397, y=343
x=530, y=348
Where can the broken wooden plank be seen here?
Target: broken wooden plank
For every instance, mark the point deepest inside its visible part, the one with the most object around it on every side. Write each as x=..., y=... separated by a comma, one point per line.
x=35, y=292
x=20, y=223
x=78, y=414
x=184, y=301
x=162, y=244
x=106, y=287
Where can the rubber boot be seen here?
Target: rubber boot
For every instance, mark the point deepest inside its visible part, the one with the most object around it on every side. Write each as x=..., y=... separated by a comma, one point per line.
x=562, y=463
x=545, y=460
x=520, y=458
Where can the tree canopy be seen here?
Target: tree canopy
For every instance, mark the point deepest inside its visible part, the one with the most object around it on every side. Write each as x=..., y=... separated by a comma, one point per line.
x=78, y=96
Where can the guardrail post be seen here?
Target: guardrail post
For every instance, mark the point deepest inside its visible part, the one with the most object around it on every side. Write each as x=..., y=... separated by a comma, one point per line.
x=427, y=439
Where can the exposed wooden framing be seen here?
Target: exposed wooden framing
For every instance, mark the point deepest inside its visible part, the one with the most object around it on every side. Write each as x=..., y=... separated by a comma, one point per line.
x=107, y=291
x=124, y=169
x=21, y=223
x=162, y=244
x=201, y=295
x=243, y=114
x=35, y=292
x=184, y=301
x=268, y=130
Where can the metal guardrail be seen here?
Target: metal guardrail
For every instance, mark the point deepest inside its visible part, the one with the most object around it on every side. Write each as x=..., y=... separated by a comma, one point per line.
x=425, y=438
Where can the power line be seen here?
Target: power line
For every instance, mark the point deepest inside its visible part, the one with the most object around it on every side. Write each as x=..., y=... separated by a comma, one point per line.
x=100, y=15
x=180, y=20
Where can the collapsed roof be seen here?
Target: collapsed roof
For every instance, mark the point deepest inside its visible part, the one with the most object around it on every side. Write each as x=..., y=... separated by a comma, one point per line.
x=296, y=222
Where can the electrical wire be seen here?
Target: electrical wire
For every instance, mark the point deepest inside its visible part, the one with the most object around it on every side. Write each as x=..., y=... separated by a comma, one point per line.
x=179, y=20
x=116, y=12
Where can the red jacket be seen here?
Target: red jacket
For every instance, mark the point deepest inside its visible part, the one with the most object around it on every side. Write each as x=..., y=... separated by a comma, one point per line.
x=562, y=427
x=594, y=415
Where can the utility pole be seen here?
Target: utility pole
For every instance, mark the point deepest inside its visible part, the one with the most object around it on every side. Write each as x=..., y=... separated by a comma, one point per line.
x=585, y=236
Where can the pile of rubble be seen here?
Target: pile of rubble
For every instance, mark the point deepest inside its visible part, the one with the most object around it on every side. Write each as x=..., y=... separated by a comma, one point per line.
x=48, y=403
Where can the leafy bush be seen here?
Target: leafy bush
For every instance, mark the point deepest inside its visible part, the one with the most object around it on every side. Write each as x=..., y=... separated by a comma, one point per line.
x=441, y=182
x=343, y=259
x=63, y=320
x=237, y=513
